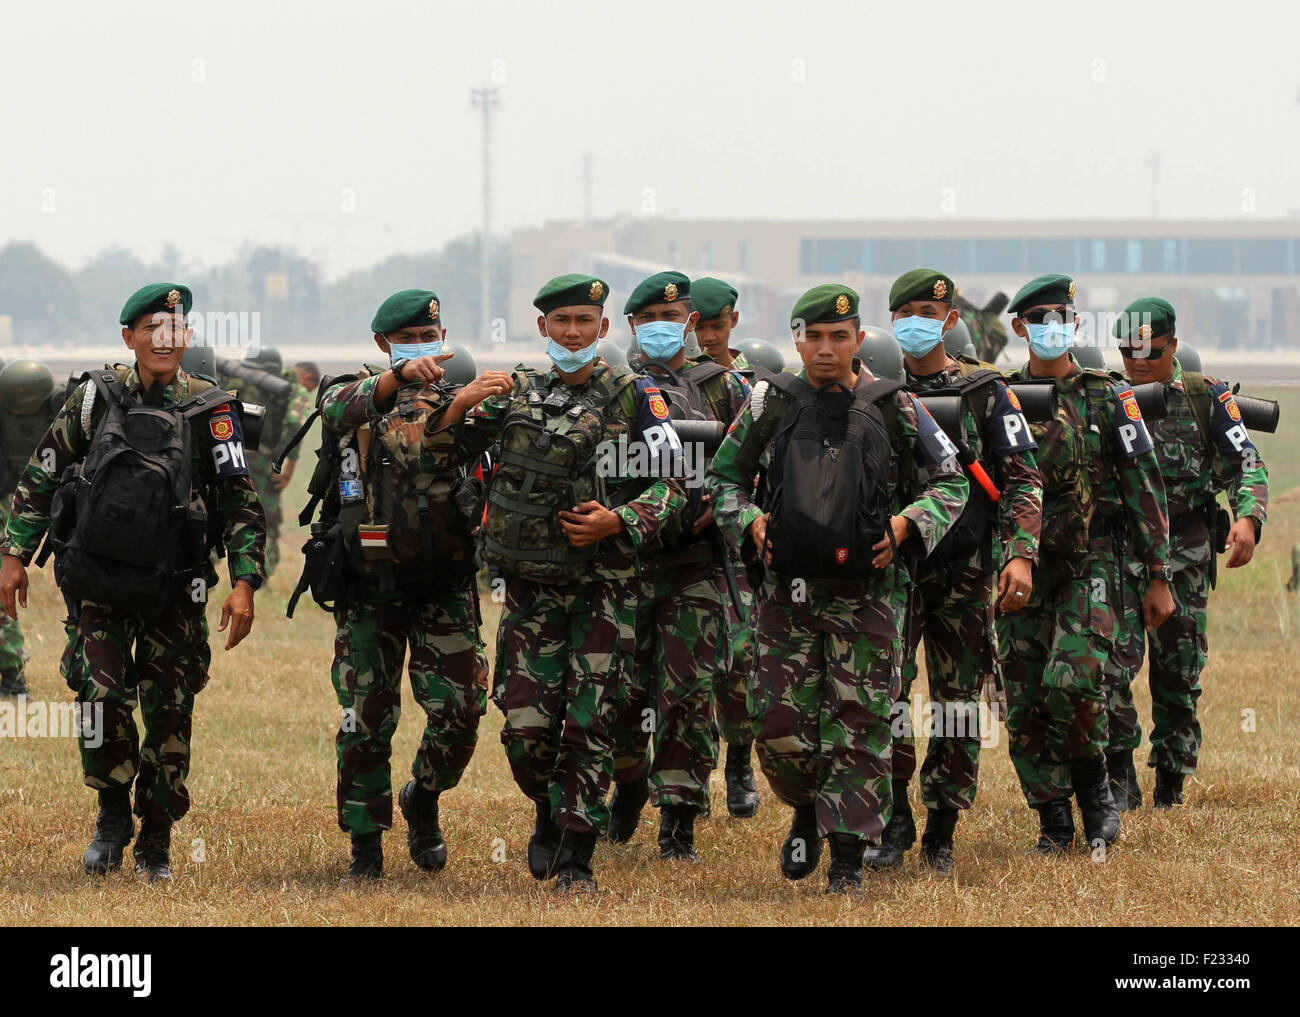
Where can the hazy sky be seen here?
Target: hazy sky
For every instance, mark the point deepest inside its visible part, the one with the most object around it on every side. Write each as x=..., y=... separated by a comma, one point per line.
x=344, y=129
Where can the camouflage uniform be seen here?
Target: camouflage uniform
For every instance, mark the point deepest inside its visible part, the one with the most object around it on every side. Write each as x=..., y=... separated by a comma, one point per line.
x=820, y=693
x=564, y=650
x=952, y=602
x=114, y=658
x=1096, y=464
x=683, y=632
x=12, y=653
x=440, y=625
x=1193, y=473
x=300, y=407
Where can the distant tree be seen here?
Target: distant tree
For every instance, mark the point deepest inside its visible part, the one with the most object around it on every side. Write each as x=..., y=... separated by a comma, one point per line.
x=38, y=293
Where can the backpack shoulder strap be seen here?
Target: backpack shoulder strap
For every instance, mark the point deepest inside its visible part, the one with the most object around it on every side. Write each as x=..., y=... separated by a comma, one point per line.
x=884, y=393
x=792, y=385
x=1198, y=393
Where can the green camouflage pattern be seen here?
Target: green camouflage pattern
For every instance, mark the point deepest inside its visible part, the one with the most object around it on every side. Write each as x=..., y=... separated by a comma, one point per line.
x=440, y=630
x=12, y=652
x=116, y=661
x=731, y=690
x=299, y=408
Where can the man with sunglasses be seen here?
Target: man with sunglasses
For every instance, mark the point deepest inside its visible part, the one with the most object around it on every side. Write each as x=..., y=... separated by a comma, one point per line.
x=1203, y=448
x=1099, y=474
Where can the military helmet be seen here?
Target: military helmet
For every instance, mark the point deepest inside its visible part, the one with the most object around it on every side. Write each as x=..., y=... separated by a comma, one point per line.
x=267, y=358
x=957, y=338
x=460, y=369
x=761, y=353
x=608, y=351
x=880, y=353
x=25, y=387
x=201, y=360
x=1188, y=358
x=1088, y=355
x=969, y=350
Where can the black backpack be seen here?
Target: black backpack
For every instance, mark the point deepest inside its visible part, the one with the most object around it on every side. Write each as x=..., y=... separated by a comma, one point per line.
x=130, y=519
x=828, y=484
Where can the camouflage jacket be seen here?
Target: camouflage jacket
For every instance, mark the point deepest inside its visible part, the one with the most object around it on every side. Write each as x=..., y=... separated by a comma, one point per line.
x=67, y=442
x=1098, y=468
x=1194, y=471
x=731, y=479
x=300, y=408
x=1006, y=448
x=644, y=504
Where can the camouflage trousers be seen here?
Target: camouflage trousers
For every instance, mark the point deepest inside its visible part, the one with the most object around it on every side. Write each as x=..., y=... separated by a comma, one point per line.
x=562, y=655
x=681, y=651
x=1178, y=652
x=731, y=690
x=115, y=661
x=820, y=698
x=1053, y=651
x=441, y=630
x=272, y=505
x=952, y=611
x=11, y=634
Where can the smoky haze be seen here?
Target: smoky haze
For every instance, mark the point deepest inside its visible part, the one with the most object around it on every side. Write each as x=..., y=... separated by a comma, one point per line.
x=345, y=132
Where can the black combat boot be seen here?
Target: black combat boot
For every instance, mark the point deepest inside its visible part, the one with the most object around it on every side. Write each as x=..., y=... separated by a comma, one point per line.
x=1125, y=791
x=1092, y=789
x=573, y=863
x=543, y=844
x=13, y=682
x=1056, y=821
x=677, y=833
x=846, y=864
x=367, y=858
x=1169, y=789
x=742, y=792
x=424, y=837
x=900, y=834
x=625, y=810
x=153, y=860
x=936, y=842
x=114, y=828
x=802, y=851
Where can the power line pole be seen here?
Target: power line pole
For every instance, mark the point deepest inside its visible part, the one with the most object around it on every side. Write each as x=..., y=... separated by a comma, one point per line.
x=487, y=102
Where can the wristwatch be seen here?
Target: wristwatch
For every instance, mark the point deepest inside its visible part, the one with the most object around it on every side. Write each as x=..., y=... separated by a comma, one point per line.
x=397, y=368
x=1166, y=573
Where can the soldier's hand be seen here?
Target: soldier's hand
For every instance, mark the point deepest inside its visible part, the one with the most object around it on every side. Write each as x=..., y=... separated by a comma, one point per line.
x=1015, y=585
x=487, y=384
x=899, y=525
x=1241, y=541
x=758, y=534
x=237, y=612
x=1157, y=605
x=590, y=522
x=705, y=519
x=281, y=480
x=425, y=369
x=13, y=585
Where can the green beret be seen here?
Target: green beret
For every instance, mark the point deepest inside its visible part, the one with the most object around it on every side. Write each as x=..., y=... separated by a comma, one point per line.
x=1046, y=289
x=406, y=309
x=920, y=284
x=1161, y=323
x=660, y=288
x=713, y=298
x=154, y=298
x=828, y=302
x=570, y=291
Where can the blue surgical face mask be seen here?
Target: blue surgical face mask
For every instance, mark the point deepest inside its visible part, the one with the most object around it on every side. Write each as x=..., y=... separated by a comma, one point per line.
x=568, y=360
x=409, y=351
x=918, y=336
x=660, y=341
x=1051, y=339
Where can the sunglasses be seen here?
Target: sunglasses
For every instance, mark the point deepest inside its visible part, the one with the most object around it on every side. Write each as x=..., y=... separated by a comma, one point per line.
x=1137, y=353
x=1040, y=315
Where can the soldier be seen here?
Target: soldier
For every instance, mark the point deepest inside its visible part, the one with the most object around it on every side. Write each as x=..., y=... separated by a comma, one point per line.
x=715, y=302
x=824, y=676
x=1098, y=472
x=400, y=524
x=26, y=388
x=136, y=578
x=1203, y=448
x=568, y=509
x=682, y=630
x=951, y=596
x=308, y=374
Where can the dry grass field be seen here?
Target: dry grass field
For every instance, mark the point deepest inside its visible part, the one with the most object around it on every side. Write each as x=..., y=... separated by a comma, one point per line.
x=261, y=845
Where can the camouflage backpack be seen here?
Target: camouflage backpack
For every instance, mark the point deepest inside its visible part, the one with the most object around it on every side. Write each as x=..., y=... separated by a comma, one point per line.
x=549, y=446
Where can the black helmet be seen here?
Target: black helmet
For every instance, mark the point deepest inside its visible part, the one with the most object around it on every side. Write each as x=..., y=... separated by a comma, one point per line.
x=267, y=358
x=1088, y=354
x=200, y=360
x=25, y=387
x=1187, y=357
x=761, y=353
x=880, y=353
x=957, y=338
x=460, y=369
x=609, y=352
